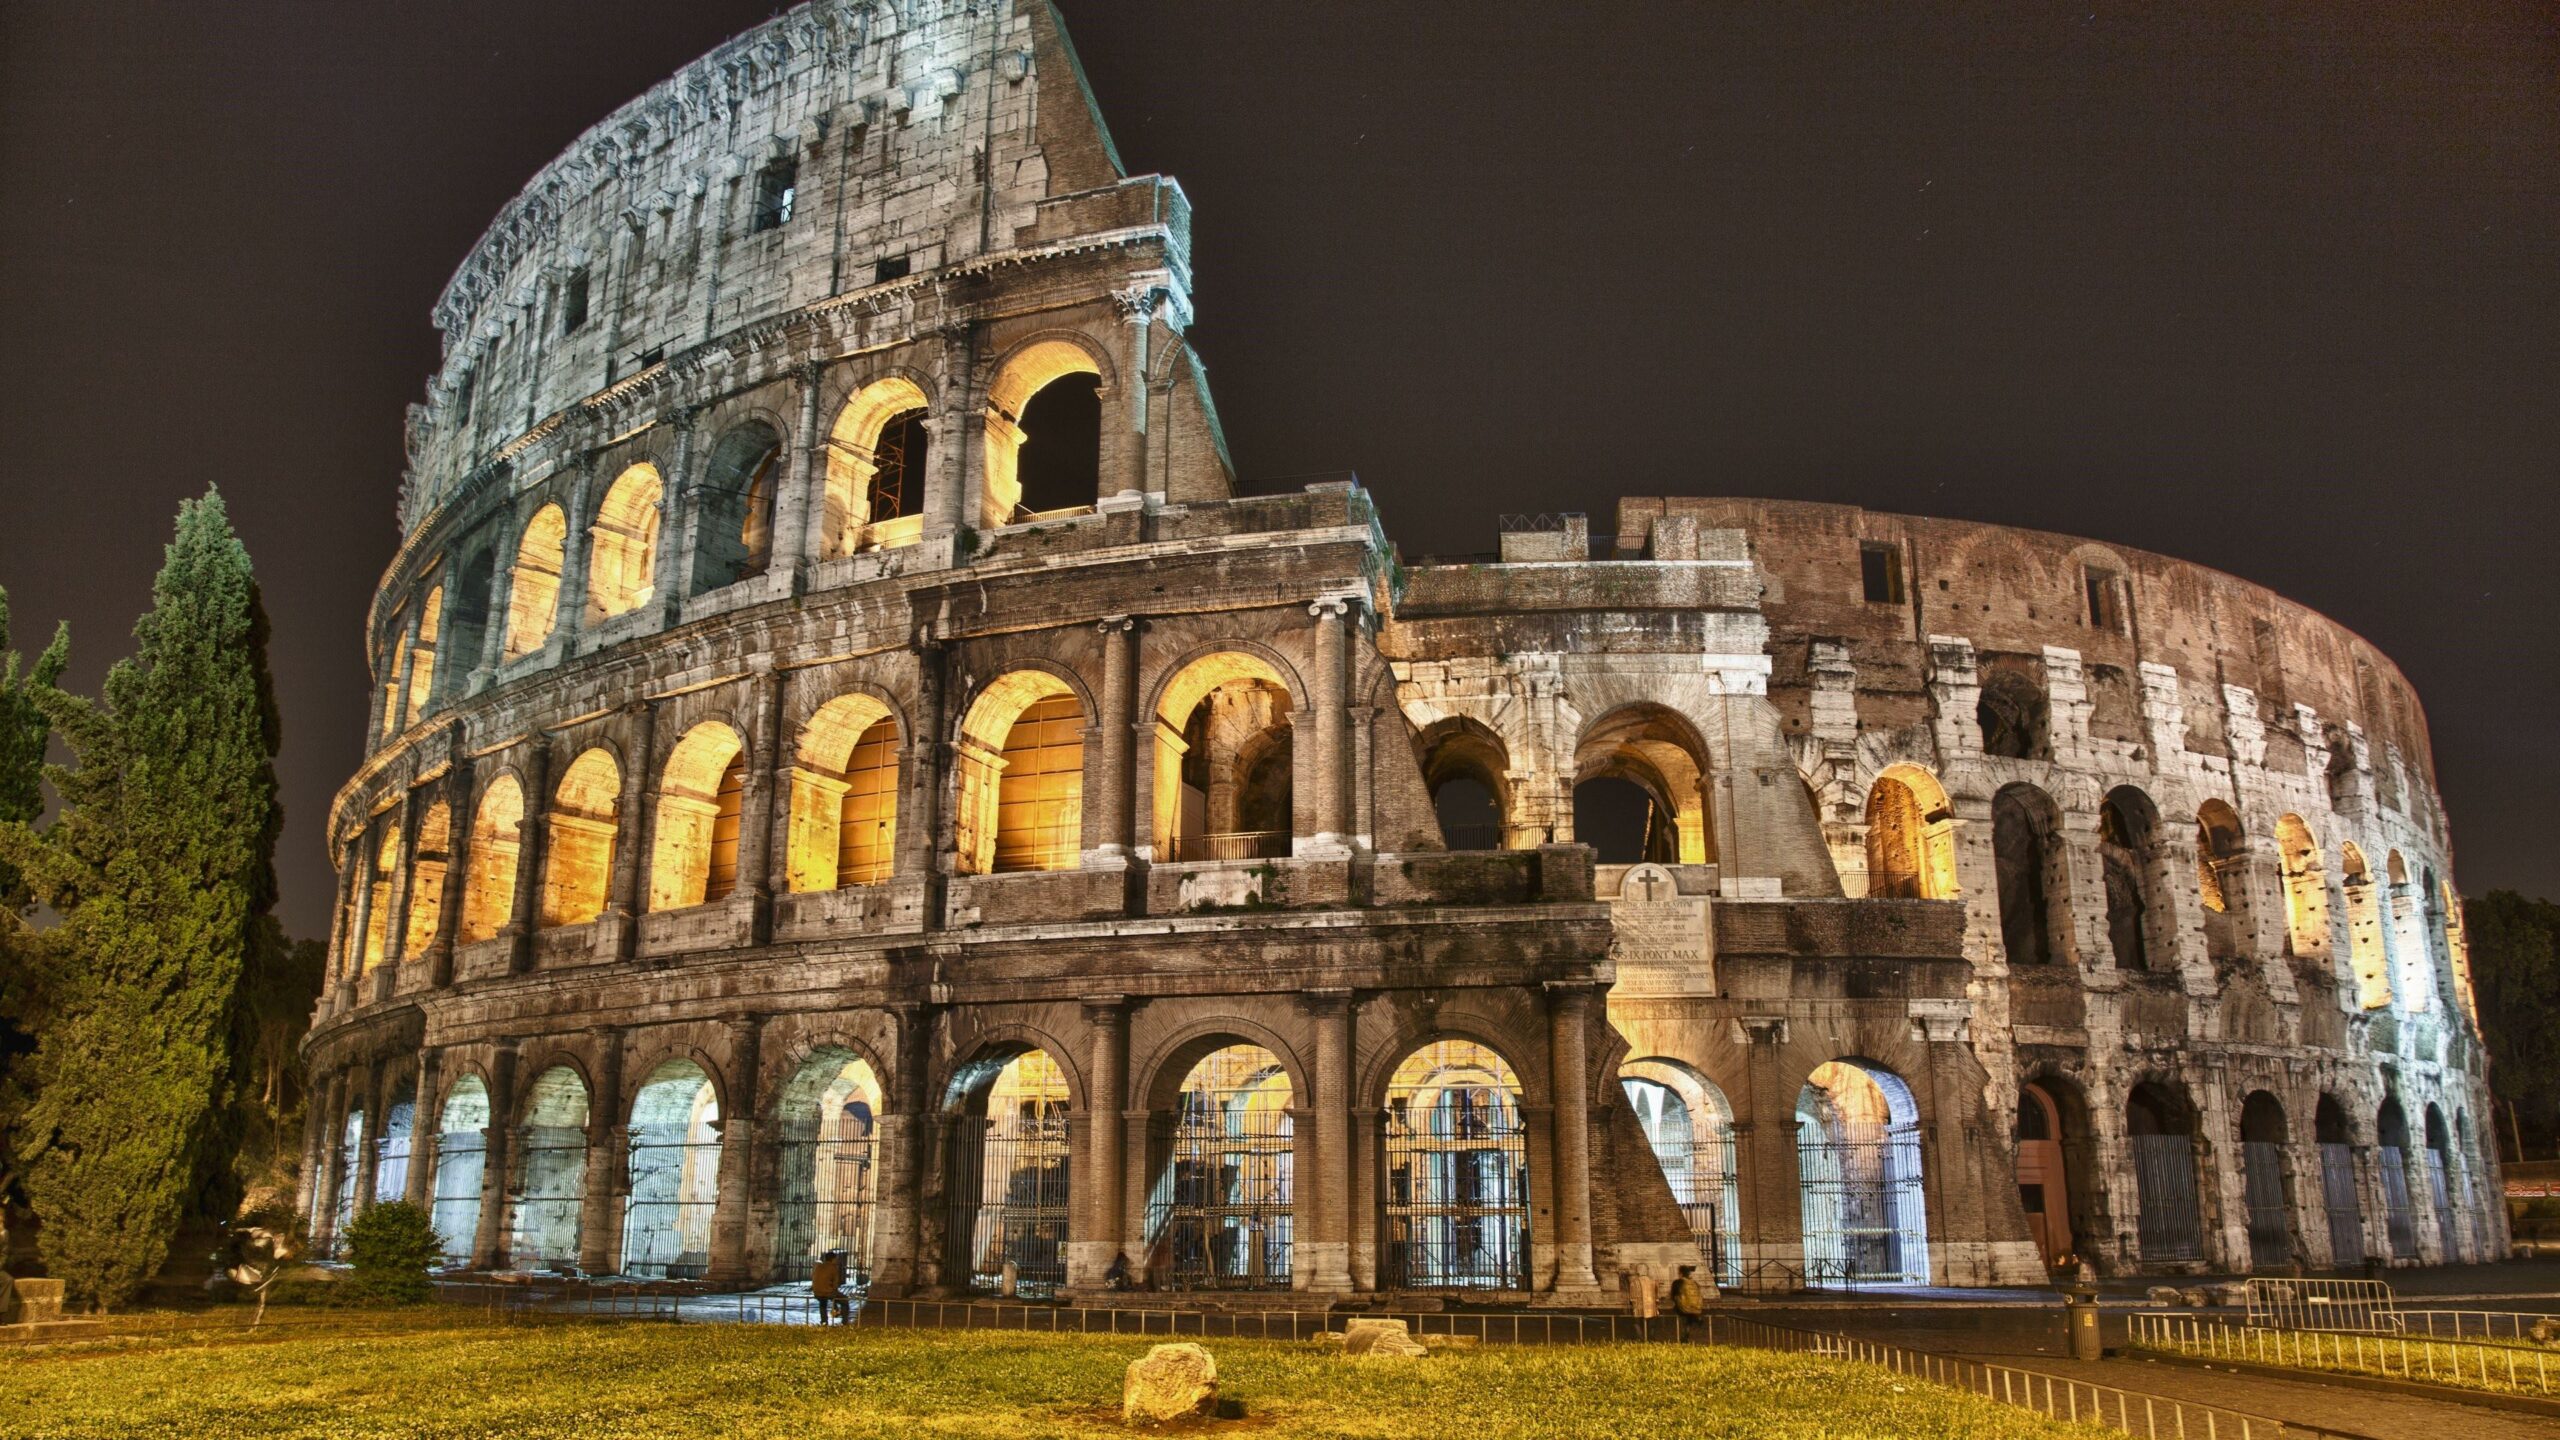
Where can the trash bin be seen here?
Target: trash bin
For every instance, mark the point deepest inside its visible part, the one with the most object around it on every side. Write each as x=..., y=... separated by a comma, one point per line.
x=2080, y=1321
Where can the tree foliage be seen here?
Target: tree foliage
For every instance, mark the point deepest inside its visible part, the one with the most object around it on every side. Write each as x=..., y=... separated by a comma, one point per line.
x=2515, y=969
x=160, y=866
x=24, y=733
x=389, y=1247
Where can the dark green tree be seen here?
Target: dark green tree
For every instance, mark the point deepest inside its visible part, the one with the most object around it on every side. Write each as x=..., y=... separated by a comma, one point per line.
x=2515, y=971
x=24, y=733
x=389, y=1247
x=160, y=866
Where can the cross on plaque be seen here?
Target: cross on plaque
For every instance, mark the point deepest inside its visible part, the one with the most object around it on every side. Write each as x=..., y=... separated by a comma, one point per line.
x=1648, y=878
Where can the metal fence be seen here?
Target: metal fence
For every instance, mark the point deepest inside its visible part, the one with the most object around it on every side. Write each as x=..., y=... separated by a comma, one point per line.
x=2510, y=1368
x=2365, y=1305
x=2338, y=1198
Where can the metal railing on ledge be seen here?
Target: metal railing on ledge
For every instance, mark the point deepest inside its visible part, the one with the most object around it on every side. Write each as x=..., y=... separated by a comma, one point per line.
x=2475, y=1365
x=1231, y=845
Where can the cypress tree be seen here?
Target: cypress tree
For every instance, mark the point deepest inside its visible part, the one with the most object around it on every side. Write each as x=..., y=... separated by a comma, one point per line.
x=24, y=733
x=161, y=867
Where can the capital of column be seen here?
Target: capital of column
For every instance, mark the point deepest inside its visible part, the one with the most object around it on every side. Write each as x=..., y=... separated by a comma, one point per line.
x=1324, y=1001
x=1101, y=1010
x=1344, y=604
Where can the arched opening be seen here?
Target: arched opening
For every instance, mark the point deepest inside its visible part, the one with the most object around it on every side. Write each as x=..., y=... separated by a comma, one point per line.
x=2160, y=1127
x=350, y=1171
x=533, y=587
x=428, y=861
x=462, y=1168
x=1021, y=777
x=579, y=860
x=1223, y=787
x=1009, y=1176
x=829, y=1171
x=392, y=1146
x=2044, y=1173
x=674, y=1176
x=422, y=655
x=1455, y=1197
x=2457, y=946
x=2128, y=846
x=2415, y=984
x=377, y=906
x=489, y=882
x=2364, y=930
x=2439, y=1181
x=1911, y=837
x=1640, y=789
x=387, y=664
x=2026, y=847
x=2263, y=1136
x=2391, y=1158
x=878, y=455
x=733, y=527
x=551, y=1174
x=1689, y=1125
x=2015, y=717
x=1858, y=1162
x=701, y=795
x=2338, y=1197
x=2222, y=879
x=2306, y=889
x=1220, y=1212
x=466, y=628
x=2466, y=1162
x=844, y=796
x=622, y=561
x=1043, y=434
x=1468, y=773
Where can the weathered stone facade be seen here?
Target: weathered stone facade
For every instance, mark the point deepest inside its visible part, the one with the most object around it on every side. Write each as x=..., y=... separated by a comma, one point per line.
x=781, y=834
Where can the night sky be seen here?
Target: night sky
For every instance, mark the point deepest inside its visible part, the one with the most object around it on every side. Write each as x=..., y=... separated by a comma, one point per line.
x=2278, y=292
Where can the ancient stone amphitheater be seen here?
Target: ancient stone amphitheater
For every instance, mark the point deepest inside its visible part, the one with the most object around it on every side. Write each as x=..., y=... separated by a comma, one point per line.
x=851, y=770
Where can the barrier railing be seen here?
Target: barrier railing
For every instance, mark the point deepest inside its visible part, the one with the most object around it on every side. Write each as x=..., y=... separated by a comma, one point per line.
x=2472, y=1324
x=2321, y=1304
x=2474, y=1365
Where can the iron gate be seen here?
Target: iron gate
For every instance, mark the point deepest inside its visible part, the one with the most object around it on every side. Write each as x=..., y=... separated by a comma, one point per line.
x=2270, y=1228
x=462, y=1160
x=1223, y=1222
x=666, y=1215
x=1704, y=1182
x=1009, y=1199
x=2445, y=1218
x=2164, y=1172
x=829, y=1192
x=2395, y=1201
x=1863, y=1208
x=550, y=1172
x=1457, y=1194
x=2338, y=1197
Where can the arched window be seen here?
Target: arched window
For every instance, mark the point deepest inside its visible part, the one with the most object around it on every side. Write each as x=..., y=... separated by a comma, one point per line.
x=1866, y=1218
x=699, y=798
x=2160, y=1126
x=829, y=1171
x=2364, y=930
x=391, y=1148
x=533, y=588
x=2416, y=980
x=2049, y=1140
x=2457, y=945
x=550, y=1181
x=2128, y=846
x=2222, y=879
x=462, y=1164
x=1456, y=1188
x=674, y=1174
x=844, y=796
x=733, y=539
x=1008, y=1186
x=2015, y=717
x=1220, y=1210
x=2026, y=844
x=1911, y=843
x=387, y=666
x=422, y=655
x=878, y=455
x=2338, y=1198
x=1640, y=789
x=2391, y=1162
x=350, y=1168
x=1468, y=773
x=2306, y=888
x=489, y=884
x=1224, y=761
x=377, y=909
x=2439, y=1182
x=1689, y=1126
x=622, y=562
x=465, y=632
x=427, y=865
x=579, y=858
x=1021, y=777
x=2262, y=1146
x=1043, y=450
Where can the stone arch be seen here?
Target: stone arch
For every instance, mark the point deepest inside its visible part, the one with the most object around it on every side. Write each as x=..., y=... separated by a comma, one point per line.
x=461, y=1157
x=1861, y=1186
x=2161, y=1126
x=549, y=1164
x=2391, y=1162
x=464, y=635
x=1221, y=1166
x=733, y=505
x=2222, y=879
x=622, y=554
x=2266, y=1187
x=2057, y=1163
x=1454, y=1183
x=844, y=793
x=2365, y=945
x=672, y=1167
x=1658, y=752
x=430, y=855
x=497, y=840
x=1911, y=843
x=2015, y=716
x=2414, y=978
x=1019, y=774
x=2306, y=888
x=422, y=655
x=578, y=861
x=1157, y=1078
x=2333, y=1133
x=878, y=454
x=1212, y=708
x=1466, y=767
x=382, y=857
x=827, y=1114
x=701, y=798
x=2141, y=929
x=2033, y=875
x=1688, y=1123
x=533, y=585
x=1010, y=1177
x=1020, y=376
x=2457, y=946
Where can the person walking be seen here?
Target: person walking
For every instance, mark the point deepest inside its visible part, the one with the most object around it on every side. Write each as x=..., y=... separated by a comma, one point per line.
x=1688, y=1302
x=826, y=1283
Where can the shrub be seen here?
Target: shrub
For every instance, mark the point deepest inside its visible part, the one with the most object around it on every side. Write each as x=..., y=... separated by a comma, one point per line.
x=389, y=1248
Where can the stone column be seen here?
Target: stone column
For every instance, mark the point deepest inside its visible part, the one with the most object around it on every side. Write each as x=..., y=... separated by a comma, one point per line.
x=489, y=1237
x=599, y=1218
x=310, y=1189
x=332, y=1161
x=737, y=1153
x=368, y=1156
x=422, y=1126
x=502, y=585
x=793, y=505
x=1368, y=1148
x=905, y=1128
x=1137, y=308
x=1764, y=1132
x=533, y=842
x=1323, y=1258
x=679, y=521
x=579, y=546
x=395, y=925
x=1332, y=727
x=761, y=810
x=633, y=825
x=1568, y=1043
x=344, y=938
x=1093, y=1243
x=1117, y=833
x=919, y=807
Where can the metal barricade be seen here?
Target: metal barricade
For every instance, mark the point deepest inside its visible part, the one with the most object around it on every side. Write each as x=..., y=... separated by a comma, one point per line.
x=2365, y=1305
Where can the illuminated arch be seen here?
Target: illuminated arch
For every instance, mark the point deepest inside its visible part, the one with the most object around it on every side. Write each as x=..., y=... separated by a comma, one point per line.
x=550, y=1172
x=1023, y=375
x=878, y=454
x=1020, y=776
x=429, y=858
x=422, y=655
x=1223, y=784
x=2364, y=930
x=844, y=796
x=533, y=586
x=385, y=857
x=1655, y=750
x=461, y=1167
x=1456, y=1171
x=733, y=506
x=829, y=1173
x=622, y=558
x=579, y=858
x=2415, y=978
x=1221, y=1203
x=497, y=840
x=1866, y=1218
x=2306, y=887
x=700, y=802
x=674, y=1173
x=1911, y=841
x=1009, y=1182
x=1688, y=1122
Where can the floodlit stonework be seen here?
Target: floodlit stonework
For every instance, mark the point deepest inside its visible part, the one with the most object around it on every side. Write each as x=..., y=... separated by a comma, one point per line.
x=850, y=772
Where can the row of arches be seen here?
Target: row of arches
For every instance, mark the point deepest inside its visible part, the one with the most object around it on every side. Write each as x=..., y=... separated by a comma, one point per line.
x=1640, y=789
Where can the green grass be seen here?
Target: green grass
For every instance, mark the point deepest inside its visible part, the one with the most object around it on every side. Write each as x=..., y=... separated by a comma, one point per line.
x=457, y=1377
x=2508, y=1369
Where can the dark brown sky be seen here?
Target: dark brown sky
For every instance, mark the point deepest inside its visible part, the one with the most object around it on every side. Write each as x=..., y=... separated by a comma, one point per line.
x=2275, y=291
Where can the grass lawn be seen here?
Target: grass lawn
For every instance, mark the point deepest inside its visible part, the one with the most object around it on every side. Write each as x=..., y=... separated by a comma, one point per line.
x=2516, y=1369
x=460, y=1377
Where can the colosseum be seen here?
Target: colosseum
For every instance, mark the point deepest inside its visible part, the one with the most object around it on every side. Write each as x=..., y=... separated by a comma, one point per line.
x=852, y=770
